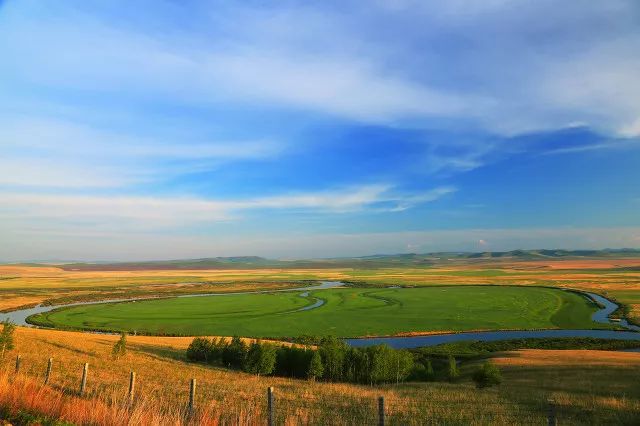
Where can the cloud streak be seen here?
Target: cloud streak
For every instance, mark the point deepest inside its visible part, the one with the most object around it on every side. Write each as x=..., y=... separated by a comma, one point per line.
x=161, y=212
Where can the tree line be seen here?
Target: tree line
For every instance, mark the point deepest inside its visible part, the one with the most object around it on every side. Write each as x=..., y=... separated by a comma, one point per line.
x=331, y=360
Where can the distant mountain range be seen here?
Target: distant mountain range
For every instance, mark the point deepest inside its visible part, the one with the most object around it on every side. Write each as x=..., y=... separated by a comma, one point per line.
x=373, y=261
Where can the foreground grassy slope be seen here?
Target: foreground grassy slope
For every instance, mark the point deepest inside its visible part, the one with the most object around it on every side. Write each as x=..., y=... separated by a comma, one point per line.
x=590, y=387
x=346, y=312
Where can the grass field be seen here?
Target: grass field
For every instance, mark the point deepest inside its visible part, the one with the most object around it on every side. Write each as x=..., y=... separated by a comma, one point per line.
x=589, y=387
x=348, y=312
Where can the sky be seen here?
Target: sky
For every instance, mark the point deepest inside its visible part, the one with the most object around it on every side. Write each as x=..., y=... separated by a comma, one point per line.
x=165, y=129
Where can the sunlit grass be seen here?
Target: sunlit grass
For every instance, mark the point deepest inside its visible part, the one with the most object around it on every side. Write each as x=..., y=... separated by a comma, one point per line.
x=589, y=387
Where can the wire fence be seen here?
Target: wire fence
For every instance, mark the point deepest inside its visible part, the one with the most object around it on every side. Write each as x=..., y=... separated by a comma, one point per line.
x=200, y=402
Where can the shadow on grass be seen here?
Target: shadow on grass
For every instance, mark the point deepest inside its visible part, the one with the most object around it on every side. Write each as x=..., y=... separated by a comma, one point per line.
x=159, y=352
x=584, y=394
x=71, y=349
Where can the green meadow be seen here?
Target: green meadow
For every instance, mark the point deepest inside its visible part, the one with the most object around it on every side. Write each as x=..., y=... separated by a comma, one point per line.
x=346, y=312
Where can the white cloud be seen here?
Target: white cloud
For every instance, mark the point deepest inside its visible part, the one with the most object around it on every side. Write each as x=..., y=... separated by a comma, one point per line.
x=508, y=67
x=632, y=129
x=493, y=64
x=346, y=87
x=107, y=59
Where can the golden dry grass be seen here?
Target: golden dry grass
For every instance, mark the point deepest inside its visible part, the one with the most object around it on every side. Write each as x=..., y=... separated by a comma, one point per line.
x=584, y=358
x=586, y=384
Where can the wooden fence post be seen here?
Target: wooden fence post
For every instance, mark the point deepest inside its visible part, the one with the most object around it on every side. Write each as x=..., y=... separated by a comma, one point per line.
x=47, y=375
x=83, y=383
x=381, y=411
x=132, y=386
x=192, y=395
x=552, y=419
x=18, y=360
x=270, y=407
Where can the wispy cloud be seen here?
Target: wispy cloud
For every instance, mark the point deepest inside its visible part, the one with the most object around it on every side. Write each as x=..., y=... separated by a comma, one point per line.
x=607, y=145
x=154, y=212
x=49, y=152
x=508, y=79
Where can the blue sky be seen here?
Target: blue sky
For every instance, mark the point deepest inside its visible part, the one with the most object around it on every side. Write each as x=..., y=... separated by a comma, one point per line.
x=174, y=129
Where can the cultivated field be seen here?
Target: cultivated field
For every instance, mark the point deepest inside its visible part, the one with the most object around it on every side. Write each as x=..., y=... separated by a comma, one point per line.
x=345, y=312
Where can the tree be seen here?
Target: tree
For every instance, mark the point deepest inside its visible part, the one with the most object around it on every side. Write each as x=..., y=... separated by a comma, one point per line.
x=422, y=371
x=430, y=375
x=453, y=374
x=120, y=348
x=357, y=365
x=487, y=375
x=260, y=359
x=235, y=353
x=7, y=340
x=379, y=363
x=199, y=349
x=402, y=364
x=216, y=350
x=316, y=369
x=333, y=352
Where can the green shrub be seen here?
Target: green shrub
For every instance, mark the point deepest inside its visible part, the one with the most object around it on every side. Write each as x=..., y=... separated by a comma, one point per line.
x=7, y=340
x=453, y=373
x=120, y=348
x=487, y=375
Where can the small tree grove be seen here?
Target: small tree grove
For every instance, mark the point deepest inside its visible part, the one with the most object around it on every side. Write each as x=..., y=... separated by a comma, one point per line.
x=7, y=338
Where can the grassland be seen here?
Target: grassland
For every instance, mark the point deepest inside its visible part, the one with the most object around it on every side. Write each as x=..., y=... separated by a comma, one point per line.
x=589, y=387
x=22, y=285
x=30, y=285
x=348, y=312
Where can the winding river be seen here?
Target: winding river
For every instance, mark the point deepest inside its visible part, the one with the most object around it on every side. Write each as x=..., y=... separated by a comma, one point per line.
x=607, y=307
x=19, y=317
